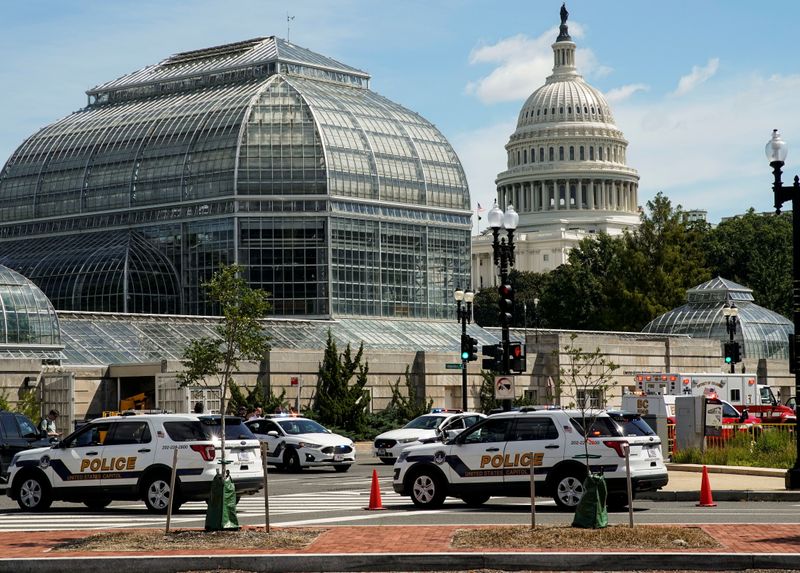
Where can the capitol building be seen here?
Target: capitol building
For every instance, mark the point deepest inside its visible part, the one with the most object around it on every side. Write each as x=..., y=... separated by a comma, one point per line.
x=566, y=174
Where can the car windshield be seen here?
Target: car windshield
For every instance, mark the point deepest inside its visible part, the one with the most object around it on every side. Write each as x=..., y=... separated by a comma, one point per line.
x=295, y=426
x=425, y=422
x=632, y=425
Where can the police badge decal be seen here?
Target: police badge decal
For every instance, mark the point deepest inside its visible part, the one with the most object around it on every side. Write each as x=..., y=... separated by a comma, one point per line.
x=439, y=457
x=44, y=462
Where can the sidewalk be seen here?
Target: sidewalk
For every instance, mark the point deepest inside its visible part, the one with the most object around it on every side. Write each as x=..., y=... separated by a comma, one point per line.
x=428, y=548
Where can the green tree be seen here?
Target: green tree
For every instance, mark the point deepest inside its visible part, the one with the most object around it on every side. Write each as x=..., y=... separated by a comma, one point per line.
x=662, y=258
x=213, y=361
x=755, y=250
x=337, y=402
x=485, y=311
x=406, y=407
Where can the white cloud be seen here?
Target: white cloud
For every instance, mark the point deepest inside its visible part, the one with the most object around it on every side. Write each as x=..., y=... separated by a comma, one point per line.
x=483, y=155
x=624, y=92
x=706, y=152
x=522, y=64
x=698, y=76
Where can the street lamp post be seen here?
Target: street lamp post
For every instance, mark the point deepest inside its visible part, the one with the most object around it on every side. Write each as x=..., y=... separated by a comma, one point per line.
x=730, y=312
x=464, y=315
x=776, y=154
x=503, y=250
x=536, y=319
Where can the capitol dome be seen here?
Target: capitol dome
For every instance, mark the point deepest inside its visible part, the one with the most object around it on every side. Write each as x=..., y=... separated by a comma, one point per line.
x=567, y=174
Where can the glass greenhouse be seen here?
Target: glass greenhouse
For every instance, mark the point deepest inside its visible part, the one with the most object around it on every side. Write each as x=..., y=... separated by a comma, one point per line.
x=760, y=332
x=29, y=321
x=336, y=200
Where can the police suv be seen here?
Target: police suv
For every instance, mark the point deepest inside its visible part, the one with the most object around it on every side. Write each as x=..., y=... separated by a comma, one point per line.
x=494, y=458
x=130, y=457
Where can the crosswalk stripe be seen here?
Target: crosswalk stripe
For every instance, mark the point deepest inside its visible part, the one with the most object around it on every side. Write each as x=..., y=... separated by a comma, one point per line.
x=114, y=518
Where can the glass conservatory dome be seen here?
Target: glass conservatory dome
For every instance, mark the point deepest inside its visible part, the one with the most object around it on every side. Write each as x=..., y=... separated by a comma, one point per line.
x=760, y=332
x=29, y=318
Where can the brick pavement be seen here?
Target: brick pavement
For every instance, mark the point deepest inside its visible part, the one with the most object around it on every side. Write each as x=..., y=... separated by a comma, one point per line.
x=738, y=538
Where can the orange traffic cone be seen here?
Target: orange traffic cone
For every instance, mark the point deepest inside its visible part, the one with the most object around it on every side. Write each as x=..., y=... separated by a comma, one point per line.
x=375, y=493
x=705, y=492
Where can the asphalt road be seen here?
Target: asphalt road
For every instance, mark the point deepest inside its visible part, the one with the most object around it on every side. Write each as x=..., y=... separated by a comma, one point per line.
x=325, y=497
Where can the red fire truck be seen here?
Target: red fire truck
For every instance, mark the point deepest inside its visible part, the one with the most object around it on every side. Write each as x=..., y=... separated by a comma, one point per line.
x=740, y=390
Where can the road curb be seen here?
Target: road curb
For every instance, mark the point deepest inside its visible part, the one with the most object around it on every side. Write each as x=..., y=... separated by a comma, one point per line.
x=720, y=495
x=563, y=561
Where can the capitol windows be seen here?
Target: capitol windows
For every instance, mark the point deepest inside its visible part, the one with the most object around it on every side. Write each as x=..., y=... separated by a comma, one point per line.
x=561, y=153
x=580, y=153
x=533, y=155
x=545, y=111
x=541, y=154
x=569, y=109
x=591, y=153
x=552, y=154
x=561, y=110
x=517, y=157
x=571, y=153
x=600, y=153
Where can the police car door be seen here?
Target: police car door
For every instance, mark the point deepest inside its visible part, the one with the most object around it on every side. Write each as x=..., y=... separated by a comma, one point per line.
x=535, y=439
x=477, y=453
x=78, y=460
x=261, y=429
x=128, y=449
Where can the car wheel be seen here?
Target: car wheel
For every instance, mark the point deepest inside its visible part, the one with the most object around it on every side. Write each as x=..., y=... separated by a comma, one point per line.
x=157, y=495
x=33, y=494
x=342, y=468
x=97, y=503
x=475, y=500
x=568, y=490
x=291, y=461
x=388, y=461
x=427, y=490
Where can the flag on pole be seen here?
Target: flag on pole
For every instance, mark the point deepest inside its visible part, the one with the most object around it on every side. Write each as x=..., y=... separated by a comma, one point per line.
x=480, y=210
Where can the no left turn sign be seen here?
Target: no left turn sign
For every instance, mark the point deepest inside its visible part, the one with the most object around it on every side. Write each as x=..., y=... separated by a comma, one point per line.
x=504, y=388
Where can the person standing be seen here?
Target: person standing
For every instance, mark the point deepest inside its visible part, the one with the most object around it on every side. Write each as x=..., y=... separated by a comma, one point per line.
x=48, y=424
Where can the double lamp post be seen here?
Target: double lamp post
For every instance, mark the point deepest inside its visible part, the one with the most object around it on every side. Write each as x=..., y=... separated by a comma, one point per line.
x=776, y=154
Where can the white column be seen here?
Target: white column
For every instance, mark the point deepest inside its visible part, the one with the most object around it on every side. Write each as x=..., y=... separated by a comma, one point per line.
x=591, y=194
x=579, y=193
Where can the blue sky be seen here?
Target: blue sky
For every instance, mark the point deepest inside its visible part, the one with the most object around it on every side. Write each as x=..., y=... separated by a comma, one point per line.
x=696, y=87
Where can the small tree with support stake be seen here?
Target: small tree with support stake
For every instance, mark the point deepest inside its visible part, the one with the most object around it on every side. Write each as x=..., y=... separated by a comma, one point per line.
x=586, y=374
x=213, y=361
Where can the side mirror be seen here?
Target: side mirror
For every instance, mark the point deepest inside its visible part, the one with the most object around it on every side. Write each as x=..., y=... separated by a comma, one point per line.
x=43, y=433
x=451, y=434
x=273, y=433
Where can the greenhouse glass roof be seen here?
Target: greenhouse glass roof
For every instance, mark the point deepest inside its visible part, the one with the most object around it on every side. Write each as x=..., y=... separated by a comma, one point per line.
x=761, y=332
x=99, y=338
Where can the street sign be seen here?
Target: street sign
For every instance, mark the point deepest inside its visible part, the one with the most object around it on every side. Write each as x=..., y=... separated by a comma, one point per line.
x=294, y=380
x=504, y=388
x=453, y=366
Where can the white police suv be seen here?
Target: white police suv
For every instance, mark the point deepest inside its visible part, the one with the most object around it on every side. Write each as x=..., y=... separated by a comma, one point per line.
x=295, y=443
x=130, y=457
x=389, y=445
x=494, y=458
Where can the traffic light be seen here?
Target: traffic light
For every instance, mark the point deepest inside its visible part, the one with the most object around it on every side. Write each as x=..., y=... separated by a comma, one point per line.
x=506, y=304
x=472, y=348
x=469, y=348
x=494, y=357
x=732, y=352
x=516, y=357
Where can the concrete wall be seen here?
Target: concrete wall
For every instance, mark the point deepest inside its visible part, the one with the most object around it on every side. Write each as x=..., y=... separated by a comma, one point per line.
x=95, y=387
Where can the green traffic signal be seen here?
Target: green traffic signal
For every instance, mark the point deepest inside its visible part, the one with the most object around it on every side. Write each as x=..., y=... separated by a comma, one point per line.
x=465, y=355
x=727, y=360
